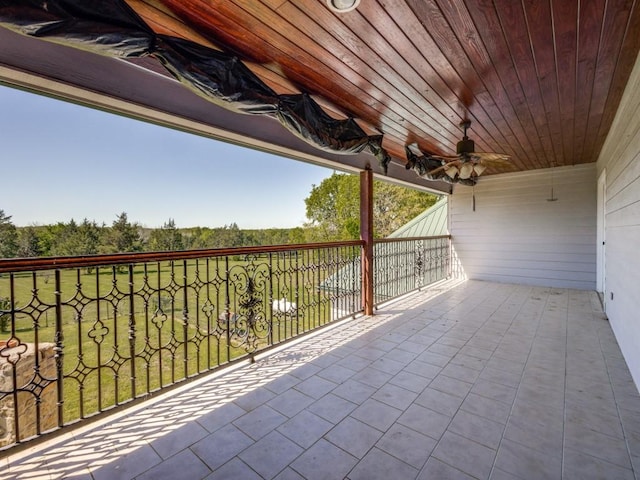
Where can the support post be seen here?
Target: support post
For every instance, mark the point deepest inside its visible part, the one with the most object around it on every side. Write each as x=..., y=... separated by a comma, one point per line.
x=366, y=235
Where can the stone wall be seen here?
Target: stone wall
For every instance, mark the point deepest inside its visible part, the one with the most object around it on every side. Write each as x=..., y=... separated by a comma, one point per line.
x=21, y=360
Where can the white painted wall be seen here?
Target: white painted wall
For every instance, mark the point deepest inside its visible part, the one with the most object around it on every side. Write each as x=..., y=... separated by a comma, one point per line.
x=620, y=159
x=515, y=235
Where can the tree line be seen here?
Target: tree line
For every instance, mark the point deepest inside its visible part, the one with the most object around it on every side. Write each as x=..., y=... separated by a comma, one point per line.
x=332, y=210
x=89, y=238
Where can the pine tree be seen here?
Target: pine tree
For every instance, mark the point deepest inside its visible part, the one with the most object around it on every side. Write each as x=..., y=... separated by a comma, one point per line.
x=8, y=237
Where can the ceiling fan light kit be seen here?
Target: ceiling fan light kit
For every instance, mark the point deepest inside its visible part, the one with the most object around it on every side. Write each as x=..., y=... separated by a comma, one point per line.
x=466, y=170
x=479, y=168
x=451, y=170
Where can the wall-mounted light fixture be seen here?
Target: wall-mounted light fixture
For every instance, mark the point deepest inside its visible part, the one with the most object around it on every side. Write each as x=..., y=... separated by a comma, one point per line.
x=552, y=198
x=343, y=6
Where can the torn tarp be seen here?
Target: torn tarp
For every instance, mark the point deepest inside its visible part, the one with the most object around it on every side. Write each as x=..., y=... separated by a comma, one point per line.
x=217, y=76
x=302, y=115
x=111, y=27
x=106, y=27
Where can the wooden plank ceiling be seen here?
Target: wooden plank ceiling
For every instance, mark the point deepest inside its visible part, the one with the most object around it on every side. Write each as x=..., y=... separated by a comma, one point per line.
x=540, y=80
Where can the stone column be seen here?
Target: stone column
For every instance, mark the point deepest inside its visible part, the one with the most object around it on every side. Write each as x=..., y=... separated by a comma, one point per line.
x=21, y=359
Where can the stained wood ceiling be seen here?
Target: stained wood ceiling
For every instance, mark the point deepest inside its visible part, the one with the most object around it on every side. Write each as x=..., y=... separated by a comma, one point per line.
x=540, y=80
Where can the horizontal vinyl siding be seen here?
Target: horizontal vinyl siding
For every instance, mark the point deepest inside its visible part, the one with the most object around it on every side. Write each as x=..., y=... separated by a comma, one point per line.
x=515, y=235
x=620, y=157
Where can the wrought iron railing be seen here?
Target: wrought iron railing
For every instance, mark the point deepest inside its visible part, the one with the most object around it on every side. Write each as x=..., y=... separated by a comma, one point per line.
x=83, y=335
x=406, y=264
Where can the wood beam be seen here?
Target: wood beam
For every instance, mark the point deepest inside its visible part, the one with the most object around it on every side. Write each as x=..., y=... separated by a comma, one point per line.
x=366, y=235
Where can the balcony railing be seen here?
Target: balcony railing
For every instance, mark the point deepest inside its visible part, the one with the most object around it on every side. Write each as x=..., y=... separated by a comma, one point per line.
x=82, y=335
x=406, y=264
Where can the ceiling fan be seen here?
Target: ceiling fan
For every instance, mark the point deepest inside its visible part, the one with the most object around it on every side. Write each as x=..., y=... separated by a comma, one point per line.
x=465, y=167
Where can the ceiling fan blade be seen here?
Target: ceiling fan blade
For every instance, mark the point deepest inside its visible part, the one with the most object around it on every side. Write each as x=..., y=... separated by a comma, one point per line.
x=446, y=158
x=490, y=158
x=435, y=171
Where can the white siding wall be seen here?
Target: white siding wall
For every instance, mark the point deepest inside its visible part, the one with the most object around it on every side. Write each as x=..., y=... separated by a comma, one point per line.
x=620, y=157
x=515, y=235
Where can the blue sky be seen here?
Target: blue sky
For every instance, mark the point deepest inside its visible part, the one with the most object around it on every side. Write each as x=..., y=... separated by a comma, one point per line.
x=61, y=161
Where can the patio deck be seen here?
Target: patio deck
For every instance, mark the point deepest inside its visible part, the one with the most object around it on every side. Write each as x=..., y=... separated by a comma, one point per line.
x=470, y=380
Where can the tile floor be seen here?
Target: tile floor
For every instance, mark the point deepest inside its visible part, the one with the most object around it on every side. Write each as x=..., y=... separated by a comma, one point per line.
x=474, y=380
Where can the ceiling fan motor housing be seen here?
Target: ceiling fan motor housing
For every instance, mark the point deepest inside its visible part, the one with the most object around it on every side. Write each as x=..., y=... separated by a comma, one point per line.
x=466, y=146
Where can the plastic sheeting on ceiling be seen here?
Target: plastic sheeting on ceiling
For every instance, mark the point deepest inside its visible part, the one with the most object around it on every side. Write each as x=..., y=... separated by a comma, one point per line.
x=112, y=28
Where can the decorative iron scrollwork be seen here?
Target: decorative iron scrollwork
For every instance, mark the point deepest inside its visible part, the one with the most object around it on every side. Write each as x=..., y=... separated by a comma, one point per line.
x=249, y=325
x=13, y=350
